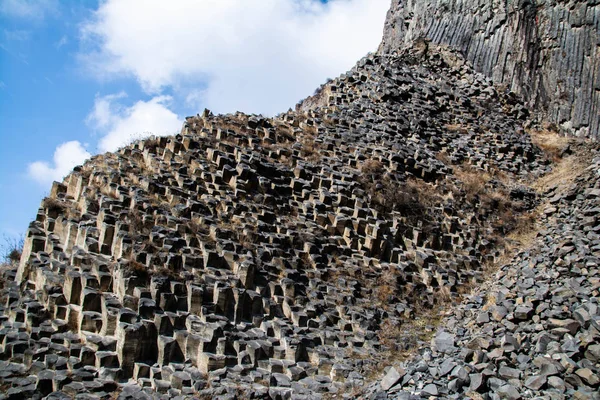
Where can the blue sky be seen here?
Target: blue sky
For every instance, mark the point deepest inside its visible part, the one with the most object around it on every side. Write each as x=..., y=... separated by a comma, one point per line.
x=80, y=77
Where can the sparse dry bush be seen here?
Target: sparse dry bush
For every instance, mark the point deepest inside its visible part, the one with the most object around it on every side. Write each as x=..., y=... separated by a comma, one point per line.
x=550, y=141
x=443, y=295
x=372, y=168
x=195, y=228
x=137, y=267
x=402, y=340
x=12, y=248
x=53, y=205
x=473, y=181
x=524, y=228
x=412, y=198
x=497, y=200
x=386, y=287
x=136, y=223
x=152, y=143
x=457, y=128
x=166, y=272
x=443, y=157
x=310, y=149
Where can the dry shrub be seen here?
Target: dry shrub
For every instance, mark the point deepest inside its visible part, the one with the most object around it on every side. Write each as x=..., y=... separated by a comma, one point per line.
x=372, y=167
x=403, y=340
x=457, y=128
x=11, y=248
x=53, y=205
x=524, y=229
x=411, y=198
x=310, y=149
x=444, y=157
x=443, y=295
x=386, y=287
x=497, y=200
x=137, y=267
x=425, y=193
x=563, y=173
x=194, y=227
x=473, y=180
x=166, y=272
x=136, y=223
x=552, y=143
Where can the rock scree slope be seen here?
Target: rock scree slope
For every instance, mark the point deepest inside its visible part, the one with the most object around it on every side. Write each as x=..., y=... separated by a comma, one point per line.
x=296, y=256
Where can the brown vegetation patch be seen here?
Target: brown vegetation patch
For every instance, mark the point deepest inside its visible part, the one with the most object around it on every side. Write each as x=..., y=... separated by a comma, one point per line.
x=473, y=180
x=562, y=173
x=457, y=128
x=552, y=143
x=53, y=205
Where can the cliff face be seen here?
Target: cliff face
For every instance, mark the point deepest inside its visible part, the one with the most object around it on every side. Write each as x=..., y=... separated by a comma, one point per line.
x=546, y=51
x=280, y=255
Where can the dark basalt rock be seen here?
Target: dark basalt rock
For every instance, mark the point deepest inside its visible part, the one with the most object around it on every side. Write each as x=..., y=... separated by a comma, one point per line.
x=546, y=51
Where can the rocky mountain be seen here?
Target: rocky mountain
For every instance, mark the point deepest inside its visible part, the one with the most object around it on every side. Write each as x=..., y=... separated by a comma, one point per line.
x=546, y=51
x=312, y=254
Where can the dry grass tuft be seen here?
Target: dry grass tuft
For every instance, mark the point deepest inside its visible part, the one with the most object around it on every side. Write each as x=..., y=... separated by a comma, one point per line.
x=386, y=287
x=54, y=207
x=457, y=128
x=550, y=142
x=443, y=157
x=310, y=149
x=473, y=180
x=563, y=173
x=371, y=167
x=11, y=248
x=403, y=340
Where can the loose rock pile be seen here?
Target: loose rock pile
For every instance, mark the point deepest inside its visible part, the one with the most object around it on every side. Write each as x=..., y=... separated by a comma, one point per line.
x=534, y=332
x=259, y=257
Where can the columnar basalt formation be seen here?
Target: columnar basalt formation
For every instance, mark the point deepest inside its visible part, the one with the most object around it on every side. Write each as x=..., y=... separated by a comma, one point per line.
x=546, y=51
x=253, y=257
x=269, y=251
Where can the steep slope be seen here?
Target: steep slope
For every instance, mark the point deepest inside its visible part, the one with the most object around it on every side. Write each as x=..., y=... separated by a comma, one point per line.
x=252, y=256
x=546, y=51
x=533, y=330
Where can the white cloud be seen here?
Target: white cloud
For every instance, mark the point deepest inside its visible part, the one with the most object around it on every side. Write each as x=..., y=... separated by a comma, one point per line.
x=17, y=35
x=120, y=125
x=106, y=111
x=66, y=156
x=63, y=41
x=28, y=9
x=228, y=55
